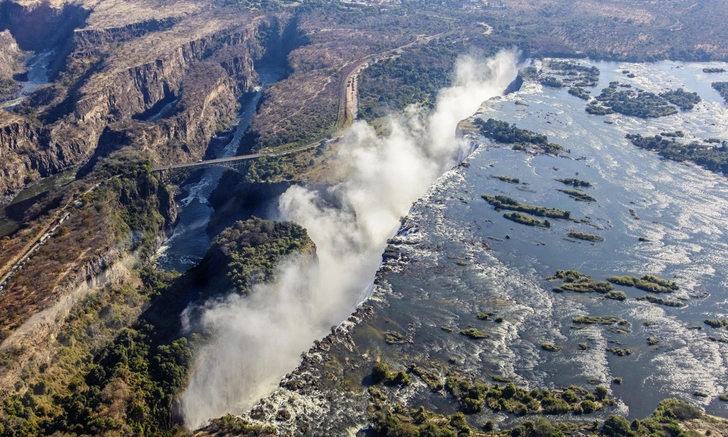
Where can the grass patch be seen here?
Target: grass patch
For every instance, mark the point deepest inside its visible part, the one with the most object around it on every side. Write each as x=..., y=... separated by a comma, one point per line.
x=474, y=333
x=649, y=283
x=579, y=282
x=586, y=237
x=508, y=179
x=578, y=195
x=504, y=202
x=574, y=182
x=616, y=295
x=661, y=301
x=526, y=220
x=550, y=347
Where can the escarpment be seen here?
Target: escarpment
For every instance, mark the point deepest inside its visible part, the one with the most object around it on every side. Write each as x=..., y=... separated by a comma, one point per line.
x=165, y=85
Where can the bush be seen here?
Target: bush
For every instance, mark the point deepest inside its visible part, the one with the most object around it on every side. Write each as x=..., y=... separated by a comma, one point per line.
x=617, y=426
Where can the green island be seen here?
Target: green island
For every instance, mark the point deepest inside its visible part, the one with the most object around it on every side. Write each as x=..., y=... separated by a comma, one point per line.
x=649, y=283
x=598, y=320
x=706, y=154
x=381, y=373
x=620, y=352
x=504, y=202
x=550, y=347
x=552, y=82
x=574, y=74
x=667, y=420
x=578, y=195
x=682, y=99
x=510, y=180
x=713, y=70
x=522, y=139
x=586, y=237
x=661, y=301
x=574, y=182
x=636, y=103
x=717, y=323
x=474, y=333
x=526, y=220
x=722, y=88
x=616, y=295
x=573, y=280
x=580, y=92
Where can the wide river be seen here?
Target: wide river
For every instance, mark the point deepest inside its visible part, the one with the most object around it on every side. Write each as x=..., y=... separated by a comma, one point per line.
x=679, y=208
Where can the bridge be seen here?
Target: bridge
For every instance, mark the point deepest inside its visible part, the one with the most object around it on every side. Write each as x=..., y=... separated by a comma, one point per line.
x=231, y=161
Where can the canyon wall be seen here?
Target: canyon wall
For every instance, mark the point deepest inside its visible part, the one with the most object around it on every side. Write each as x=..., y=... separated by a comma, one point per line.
x=114, y=83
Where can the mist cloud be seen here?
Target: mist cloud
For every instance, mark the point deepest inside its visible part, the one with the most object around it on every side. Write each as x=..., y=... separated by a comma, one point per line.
x=260, y=338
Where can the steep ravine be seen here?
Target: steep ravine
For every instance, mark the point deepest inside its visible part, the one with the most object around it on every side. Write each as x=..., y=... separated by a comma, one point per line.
x=206, y=75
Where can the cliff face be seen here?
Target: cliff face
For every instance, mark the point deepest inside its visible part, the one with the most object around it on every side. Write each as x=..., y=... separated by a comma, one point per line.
x=10, y=56
x=165, y=85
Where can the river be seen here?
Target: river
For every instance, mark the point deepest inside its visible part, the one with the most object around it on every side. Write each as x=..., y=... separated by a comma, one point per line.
x=468, y=258
x=37, y=76
x=189, y=241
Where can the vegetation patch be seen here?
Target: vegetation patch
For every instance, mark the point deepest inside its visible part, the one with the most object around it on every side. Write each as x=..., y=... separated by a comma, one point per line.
x=722, y=88
x=573, y=74
x=716, y=323
x=394, y=337
x=250, y=249
x=522, y=139
x=579, y=282
x=632, y=102
x=682, y=99
x=713, y=70
x=619, y=351
x=586, y=237
x=574, y=182
x=508, y=179
x=616, y=295
x=550, y=347
x=597, y=320
x=430, y=378
x=381, y=373
x=661, y=301
x=649, y=283
x=504, y=202
x=579, y=195
x=552, y=82
x=476, y=396
x=526, y=220
x=580, y=92
x=474, y=333
x=708, y=154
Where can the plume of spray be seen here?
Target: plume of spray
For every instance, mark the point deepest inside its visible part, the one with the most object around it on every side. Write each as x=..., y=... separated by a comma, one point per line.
x=259, y=338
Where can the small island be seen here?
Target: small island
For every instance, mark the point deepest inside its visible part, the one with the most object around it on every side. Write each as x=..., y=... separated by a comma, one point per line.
x=578, y=195
x=526, y=220
x=574, y=182
x=504, y=202
x=586, y=237
x=710, y=154
x=722, y=88
x=639, y=103
x=522, y=139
